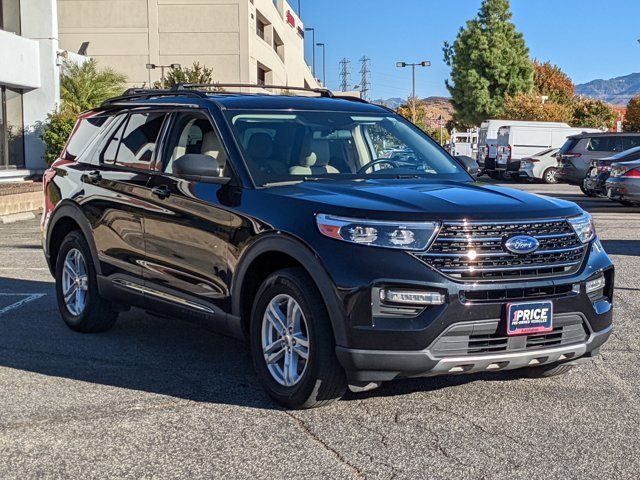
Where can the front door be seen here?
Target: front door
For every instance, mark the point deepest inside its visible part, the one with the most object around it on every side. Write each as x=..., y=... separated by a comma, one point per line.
x=188, y=232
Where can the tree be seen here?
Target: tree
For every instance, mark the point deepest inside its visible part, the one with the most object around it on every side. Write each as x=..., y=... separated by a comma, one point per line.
x=194, y=74
x=426, y=117
x=552, y=82
x=632, y=120
x=588, y=112
x=83, y=87
x=489, y=61
x=529, y=106
x=55, y=132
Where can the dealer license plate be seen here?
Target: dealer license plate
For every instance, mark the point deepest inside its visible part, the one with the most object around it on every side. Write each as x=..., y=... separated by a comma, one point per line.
x=527, y=318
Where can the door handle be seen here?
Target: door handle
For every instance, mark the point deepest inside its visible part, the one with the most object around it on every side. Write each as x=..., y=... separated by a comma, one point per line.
x=95, y=176
x=161, y=192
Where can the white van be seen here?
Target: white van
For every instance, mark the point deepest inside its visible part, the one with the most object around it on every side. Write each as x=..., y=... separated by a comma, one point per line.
x=464, y=144
x=488, y=139
x=516, y=142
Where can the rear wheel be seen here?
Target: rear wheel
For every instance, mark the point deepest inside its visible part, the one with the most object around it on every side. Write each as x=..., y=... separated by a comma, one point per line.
x=549, y=175
x=79, y=302
x=588, y=193
x=292, y=343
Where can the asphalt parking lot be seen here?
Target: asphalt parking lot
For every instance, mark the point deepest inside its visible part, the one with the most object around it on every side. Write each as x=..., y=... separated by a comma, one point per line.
x=163, y=398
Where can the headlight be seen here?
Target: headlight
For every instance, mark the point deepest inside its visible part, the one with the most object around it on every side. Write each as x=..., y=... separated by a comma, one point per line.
x=400, y=235
x=583, y=226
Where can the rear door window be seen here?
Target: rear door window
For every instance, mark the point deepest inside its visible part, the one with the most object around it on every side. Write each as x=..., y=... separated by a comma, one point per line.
x=86, y=129
x=139, y=140
x=630, y=142
x=605, y=144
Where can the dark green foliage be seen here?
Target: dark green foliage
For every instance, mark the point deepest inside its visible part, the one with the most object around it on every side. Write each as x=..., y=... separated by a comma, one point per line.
x=489, y=61
x=56, y=130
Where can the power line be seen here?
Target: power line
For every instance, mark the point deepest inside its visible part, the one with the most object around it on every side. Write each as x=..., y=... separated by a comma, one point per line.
x=345, y=74
x=365, y=83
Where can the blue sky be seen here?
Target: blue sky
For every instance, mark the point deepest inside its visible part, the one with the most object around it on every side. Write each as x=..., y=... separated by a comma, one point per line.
x=588, y=39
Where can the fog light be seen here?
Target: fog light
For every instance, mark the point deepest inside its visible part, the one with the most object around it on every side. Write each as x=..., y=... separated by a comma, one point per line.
x=408, y=297
x=595, y=284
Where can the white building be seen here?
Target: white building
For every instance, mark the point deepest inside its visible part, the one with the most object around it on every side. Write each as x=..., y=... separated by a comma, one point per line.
x=243, y=41
x=29, y=82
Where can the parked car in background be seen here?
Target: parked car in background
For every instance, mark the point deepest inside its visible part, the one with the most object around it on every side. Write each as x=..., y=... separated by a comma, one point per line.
x=576, y=155
x=541, y=166
x=595, y=182
x=464, y=143
x=623, y=185
x=488, y=140
x=516, y=142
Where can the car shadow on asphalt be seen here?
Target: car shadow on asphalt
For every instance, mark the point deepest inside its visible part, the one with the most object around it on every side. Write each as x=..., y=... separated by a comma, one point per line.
x=164, y=356
x=622, y=247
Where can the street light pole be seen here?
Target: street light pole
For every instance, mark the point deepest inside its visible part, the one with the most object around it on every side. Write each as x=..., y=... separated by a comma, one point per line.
x=313, y=48
x=324, y=64
x=413, y=77
x=153, y=66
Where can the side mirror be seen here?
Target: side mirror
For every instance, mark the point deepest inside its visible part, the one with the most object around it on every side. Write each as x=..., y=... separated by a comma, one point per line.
x=470, y=165
x=198, y=168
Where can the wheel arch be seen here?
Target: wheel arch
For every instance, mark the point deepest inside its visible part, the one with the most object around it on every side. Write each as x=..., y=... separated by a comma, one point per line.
x=274, y=252
x=68, y=216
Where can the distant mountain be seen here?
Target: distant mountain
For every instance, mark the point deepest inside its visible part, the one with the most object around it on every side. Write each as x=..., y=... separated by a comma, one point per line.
x=617, y=91
x=393, y=103
x=435, y=107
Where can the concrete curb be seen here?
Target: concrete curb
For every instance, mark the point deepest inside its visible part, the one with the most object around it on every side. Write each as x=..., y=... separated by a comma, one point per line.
x=17, y=217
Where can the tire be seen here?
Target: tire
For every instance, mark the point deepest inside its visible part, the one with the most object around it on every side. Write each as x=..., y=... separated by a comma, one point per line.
x=93, y=313
x=319, y=380
x=545, y=371
x=549, y=175
x=588, y=193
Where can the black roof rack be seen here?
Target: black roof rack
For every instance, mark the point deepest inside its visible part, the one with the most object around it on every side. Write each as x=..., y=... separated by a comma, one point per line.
x=323, y=92
x=143, y=93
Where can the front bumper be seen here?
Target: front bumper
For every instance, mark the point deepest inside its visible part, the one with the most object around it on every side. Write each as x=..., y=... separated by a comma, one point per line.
x=383, y=347
x=384, y=365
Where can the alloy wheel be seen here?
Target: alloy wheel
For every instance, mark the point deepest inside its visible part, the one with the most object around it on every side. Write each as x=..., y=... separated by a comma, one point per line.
x=285, y=340
x=75, y=282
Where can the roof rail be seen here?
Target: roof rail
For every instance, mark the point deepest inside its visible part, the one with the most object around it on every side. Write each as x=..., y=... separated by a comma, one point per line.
x=323, y=92
x=143, y=93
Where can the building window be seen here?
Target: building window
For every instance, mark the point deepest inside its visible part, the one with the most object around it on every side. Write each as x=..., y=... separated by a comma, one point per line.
x=11, y=129
x=10, y=16
x=278, y=45
x=260, y=26
x=262, y=76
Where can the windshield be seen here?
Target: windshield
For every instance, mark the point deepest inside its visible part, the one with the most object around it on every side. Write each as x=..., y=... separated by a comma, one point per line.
x=311, y=145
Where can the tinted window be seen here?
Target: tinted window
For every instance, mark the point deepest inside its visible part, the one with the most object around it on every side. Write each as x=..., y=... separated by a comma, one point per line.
x=630, y=142
x=605, y=144
x=138, y=143
x=193, y=133
x=568, y=145
x=110, y=151
x=86, y=130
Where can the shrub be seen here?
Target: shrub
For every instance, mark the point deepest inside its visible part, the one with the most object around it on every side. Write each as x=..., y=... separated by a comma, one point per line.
x=55, y=132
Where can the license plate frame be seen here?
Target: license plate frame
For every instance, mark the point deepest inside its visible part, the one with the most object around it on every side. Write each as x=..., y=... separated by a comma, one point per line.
x=539, y=318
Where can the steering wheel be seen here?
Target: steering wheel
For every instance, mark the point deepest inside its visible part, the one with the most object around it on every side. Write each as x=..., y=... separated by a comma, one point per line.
x=373, y=163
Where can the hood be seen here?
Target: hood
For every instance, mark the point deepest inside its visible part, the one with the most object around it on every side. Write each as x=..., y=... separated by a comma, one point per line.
x=420, y=199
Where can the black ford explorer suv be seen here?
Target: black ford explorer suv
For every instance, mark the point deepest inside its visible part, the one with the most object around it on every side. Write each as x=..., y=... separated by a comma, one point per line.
x=276, y=218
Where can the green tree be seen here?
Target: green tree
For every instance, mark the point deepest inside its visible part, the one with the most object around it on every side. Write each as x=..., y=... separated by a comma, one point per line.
x=83, y=87
x=632, y=120
x=489, y=60
x=592, y=113
x=55, y=132
x=194, y=74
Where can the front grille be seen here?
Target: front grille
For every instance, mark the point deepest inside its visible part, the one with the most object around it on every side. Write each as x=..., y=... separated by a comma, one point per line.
x=473, y=251
x=488, y=337
x=500, y=295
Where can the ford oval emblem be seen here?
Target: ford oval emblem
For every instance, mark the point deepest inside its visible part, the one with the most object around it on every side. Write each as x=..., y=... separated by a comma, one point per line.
x=521, y=244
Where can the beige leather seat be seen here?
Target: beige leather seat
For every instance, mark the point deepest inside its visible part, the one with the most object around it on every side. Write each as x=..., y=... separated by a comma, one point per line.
x=314, y=160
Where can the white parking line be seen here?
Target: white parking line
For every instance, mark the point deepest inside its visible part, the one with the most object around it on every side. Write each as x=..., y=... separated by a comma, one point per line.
x=30, y=297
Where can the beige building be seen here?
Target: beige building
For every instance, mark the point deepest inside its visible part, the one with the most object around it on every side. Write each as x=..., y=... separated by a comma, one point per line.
x=244, y=41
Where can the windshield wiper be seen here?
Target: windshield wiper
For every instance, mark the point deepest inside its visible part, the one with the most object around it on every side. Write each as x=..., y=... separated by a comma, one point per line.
x=296, y=180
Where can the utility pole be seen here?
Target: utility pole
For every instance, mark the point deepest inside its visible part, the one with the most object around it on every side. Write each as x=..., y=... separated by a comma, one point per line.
x=324, y=63
x=413, y=75
x=365, y=84
x=345, y=75
x=313, y=49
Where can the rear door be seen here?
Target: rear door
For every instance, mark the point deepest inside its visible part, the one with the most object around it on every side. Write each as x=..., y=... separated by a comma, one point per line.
x=189, y=229
x=116, y=189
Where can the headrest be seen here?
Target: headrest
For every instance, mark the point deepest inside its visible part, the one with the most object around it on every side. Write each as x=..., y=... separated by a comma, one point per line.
x=317, y=154
x=211, y=145
x=260, y=146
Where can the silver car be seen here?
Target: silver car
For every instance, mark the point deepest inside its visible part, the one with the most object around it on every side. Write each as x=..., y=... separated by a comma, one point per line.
x=541, y=166
x=623, y=184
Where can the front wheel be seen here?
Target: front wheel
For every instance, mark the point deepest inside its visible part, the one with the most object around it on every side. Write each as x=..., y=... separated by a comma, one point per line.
x=80, y=304
x=549, y=175
x=292, y=343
